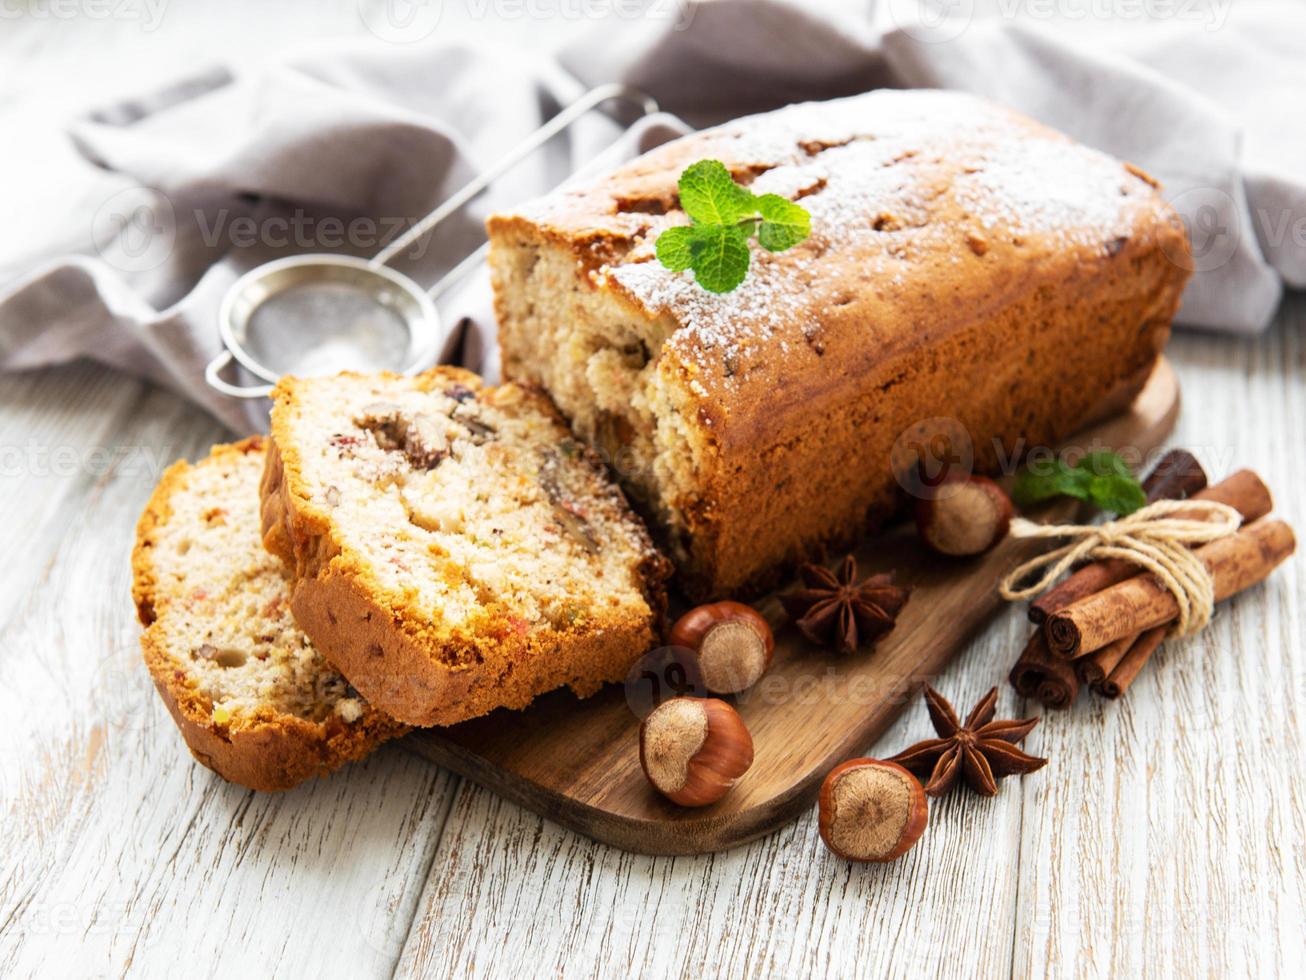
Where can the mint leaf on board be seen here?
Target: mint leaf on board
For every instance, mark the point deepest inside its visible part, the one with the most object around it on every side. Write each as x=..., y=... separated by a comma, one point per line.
x=1104, y=463
x=784, y=223
x=1056, y=479
x=1101, y=478
x=1117, y=494
x=723, y=217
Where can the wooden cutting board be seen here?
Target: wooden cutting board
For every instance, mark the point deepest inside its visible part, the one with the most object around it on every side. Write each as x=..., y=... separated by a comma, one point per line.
x=577, y=761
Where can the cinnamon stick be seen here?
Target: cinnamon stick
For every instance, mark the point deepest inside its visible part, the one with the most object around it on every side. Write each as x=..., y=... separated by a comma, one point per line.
x=1038, y=674
x=1140, y=651
x=1244, y=491
x=1140, y=603
x=1176, y=477
x=1093, y=668
x=1054, y=681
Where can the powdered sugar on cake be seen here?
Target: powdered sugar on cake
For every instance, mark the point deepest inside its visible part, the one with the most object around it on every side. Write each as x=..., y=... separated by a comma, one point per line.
x=872, y=171
x=1051, y=187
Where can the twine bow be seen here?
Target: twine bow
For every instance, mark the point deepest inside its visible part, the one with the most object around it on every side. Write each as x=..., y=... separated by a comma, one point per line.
x=1147, y=537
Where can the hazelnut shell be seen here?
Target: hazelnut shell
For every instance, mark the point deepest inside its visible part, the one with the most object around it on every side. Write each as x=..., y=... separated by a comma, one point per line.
x=871, y=811
x=965, y=515
x=734, y=644
x=694, y=749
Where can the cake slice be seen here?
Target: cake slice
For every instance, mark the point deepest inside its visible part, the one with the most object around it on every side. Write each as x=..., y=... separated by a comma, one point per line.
x=454, y=548
x=253, y=699
x=974, y=283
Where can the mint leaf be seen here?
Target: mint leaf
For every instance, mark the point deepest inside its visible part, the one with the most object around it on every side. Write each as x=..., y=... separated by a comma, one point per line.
x=1117, y=494
x=1054, y=479
x=723, y=216
x=1105, y=463
x=675, y=247
x=710, y=196
x=1113, y=486
x=1101, y=478
x=784, y=223
x=718, y=254
x=720, y=257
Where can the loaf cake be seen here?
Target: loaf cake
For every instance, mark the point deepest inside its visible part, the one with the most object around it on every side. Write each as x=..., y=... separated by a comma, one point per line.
x=454, y=548
x=254, y=701
x=964, y=263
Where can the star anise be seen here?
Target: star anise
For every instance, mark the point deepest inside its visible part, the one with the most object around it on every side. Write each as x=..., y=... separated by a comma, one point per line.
x=839, y=611
x=981, y=750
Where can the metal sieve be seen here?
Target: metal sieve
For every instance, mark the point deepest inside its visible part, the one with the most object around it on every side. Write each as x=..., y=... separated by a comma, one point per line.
x=319, y=313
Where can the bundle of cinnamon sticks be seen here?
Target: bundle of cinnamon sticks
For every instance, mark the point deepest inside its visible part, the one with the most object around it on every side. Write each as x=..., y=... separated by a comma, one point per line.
x=1099, y=627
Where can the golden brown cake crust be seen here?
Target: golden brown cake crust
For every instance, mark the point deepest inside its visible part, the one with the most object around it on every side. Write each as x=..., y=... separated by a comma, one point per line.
x=423, y=672
x=964, y=262
x=272, y=751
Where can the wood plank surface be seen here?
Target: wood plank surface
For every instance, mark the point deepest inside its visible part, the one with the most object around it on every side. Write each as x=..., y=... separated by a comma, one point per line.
x=119, y=849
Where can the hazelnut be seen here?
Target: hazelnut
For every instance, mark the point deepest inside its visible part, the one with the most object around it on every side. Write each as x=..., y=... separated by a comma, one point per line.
x=733, y=643
x=871, y=810
x=965, y=515
x=693, y=749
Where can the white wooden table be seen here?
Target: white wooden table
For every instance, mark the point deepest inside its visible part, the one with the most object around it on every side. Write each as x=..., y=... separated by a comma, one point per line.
x=1164, y=837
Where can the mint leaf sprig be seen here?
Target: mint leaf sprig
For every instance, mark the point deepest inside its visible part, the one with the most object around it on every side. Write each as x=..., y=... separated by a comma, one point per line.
x=723, y=217
x=1101, y=478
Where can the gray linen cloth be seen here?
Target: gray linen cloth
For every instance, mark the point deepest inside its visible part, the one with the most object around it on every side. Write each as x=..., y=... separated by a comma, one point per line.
x=341, y=149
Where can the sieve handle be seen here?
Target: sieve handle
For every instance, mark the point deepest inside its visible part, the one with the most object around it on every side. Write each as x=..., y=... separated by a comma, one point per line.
x=603, y=93
x=212, y=374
